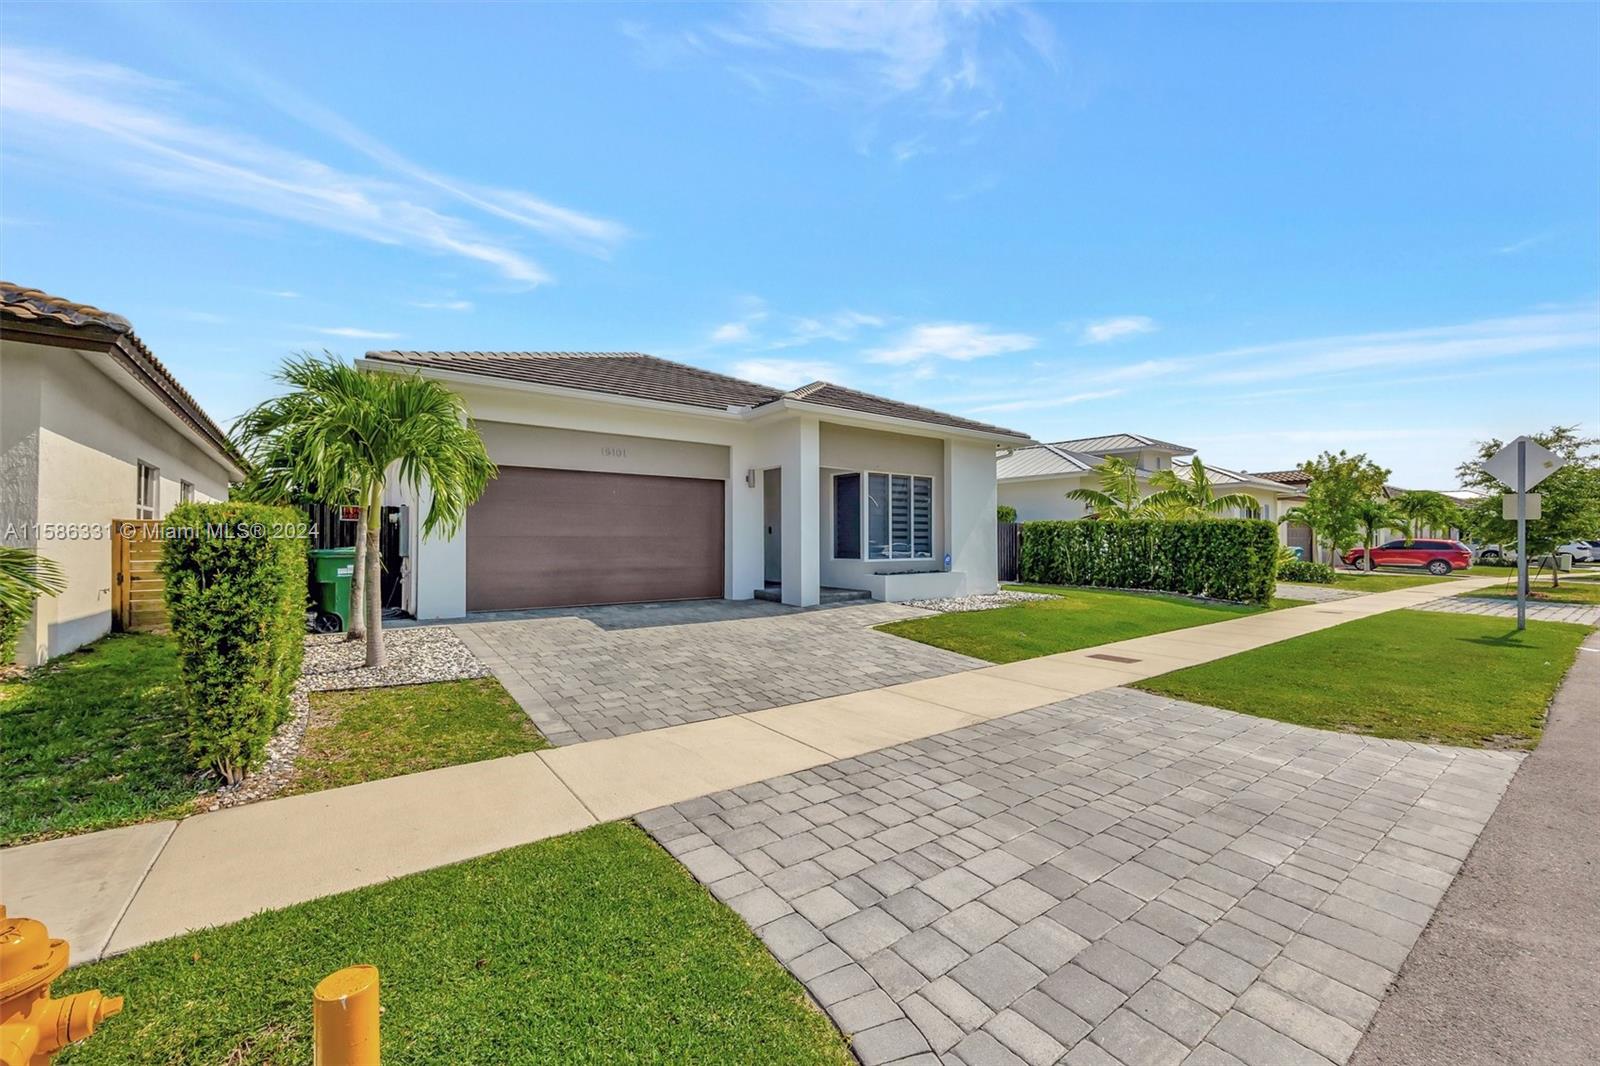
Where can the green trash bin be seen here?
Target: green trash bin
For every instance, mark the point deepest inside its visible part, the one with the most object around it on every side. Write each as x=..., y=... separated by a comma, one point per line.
x=331, y=572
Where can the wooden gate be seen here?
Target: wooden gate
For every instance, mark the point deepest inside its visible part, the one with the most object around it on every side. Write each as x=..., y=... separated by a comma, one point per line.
x=1008, y=544
x=138, y=604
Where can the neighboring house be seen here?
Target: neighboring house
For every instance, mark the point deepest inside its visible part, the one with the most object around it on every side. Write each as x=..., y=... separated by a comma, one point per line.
x=627, y=478
x=92, y=429
x=1036, y=479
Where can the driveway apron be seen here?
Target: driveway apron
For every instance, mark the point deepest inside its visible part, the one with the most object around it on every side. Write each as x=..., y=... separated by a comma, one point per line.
x=1114, y=878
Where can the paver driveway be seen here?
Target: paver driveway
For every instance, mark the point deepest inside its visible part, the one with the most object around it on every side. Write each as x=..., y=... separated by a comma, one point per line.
x=1116, y=878
x=598, y=672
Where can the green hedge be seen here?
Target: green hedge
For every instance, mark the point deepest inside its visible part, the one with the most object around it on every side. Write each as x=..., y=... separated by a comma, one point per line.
x=10, y=629
x=1228, y=559
x=1306, y=571
x=1006, y=513
x=236, y=589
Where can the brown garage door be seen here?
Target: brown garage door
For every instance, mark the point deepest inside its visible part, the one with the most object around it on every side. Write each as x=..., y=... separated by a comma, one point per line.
x=558, y=538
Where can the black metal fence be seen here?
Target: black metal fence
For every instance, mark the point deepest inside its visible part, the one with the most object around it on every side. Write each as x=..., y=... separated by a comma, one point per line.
x=1008, y=543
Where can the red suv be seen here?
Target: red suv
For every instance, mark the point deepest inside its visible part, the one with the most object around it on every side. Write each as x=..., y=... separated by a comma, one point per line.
x=1436, y=556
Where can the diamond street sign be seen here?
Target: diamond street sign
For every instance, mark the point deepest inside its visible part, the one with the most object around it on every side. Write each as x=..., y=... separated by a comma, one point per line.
x=1541, y=463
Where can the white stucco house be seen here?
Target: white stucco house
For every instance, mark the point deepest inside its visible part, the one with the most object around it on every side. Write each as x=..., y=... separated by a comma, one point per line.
x=627, y=478
x=1036, y=478
x=93, y=429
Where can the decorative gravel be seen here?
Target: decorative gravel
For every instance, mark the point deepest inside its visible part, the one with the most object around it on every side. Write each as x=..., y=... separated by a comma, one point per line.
x=417, y=656
x=984, y=601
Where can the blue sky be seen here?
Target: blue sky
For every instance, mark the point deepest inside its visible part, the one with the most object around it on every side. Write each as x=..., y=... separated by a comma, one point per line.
x=1260, y=230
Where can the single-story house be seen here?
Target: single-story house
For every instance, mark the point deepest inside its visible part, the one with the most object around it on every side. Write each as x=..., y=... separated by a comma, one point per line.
x=1035, y=479
x=628, y=478
x=93, y=429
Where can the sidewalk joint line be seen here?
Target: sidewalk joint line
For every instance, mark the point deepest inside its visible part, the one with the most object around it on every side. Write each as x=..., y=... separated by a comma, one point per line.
x=111, y=935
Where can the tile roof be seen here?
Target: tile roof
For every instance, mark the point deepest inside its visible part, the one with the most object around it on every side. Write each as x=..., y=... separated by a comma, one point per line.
x=28, y=310
x=645, y=377
x=828, y=394
x=1120, y=442
x=1284, y=477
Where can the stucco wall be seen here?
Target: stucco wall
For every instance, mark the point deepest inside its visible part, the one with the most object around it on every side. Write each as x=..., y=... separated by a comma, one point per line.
x=851, y=449
x=91, y=433
x=1042, y=500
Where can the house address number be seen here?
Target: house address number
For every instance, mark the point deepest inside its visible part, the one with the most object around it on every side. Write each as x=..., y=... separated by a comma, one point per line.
x=612, y=451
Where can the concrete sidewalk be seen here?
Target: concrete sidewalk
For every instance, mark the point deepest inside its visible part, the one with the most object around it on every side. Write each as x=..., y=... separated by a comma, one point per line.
x=111, y=891
x=1509, y=969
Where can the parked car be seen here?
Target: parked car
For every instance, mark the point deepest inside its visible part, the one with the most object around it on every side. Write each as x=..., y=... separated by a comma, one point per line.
x=1438, y=557
x=1580, y=551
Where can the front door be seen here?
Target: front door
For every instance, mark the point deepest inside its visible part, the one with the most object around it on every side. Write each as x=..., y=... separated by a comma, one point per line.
x=772, y=524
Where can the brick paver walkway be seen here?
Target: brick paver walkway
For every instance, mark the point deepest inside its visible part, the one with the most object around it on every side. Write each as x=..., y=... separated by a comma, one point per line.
x=1116, y=878
x=601, y=672
x=1581, y=614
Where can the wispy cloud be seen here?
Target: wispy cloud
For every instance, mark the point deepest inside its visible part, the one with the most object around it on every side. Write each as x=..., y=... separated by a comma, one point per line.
x=1044, y=403
x=1111, y=329
x=732, y=333
x=943, y=59
x=443, y=305
x=75, y=112
x=1523, y=245
x=357, y=334
x=284, y=294
x=785, y=373
x=960, y=341
x=1321, y=358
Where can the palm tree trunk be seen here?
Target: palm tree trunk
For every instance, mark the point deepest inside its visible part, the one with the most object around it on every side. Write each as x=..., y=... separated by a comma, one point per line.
x=375, y=650
x=357, y=629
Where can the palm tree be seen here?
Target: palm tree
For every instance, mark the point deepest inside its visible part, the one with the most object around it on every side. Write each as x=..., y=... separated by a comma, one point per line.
x=24, y=577
x=1308, y=515
x=1424, y=509
x=285, y=461
x=1374, y=515
x=348, y=429
x=1118, y=498
x=1192, y=496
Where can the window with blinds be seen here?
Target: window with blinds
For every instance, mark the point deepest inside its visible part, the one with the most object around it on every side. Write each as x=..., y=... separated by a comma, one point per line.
x=899, y=516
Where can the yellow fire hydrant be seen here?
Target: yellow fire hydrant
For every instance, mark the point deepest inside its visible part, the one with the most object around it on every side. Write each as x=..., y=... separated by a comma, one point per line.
x=33, y=1027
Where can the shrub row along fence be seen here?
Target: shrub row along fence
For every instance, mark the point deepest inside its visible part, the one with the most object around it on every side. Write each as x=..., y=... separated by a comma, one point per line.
x=236, y=587
x=1227, y=559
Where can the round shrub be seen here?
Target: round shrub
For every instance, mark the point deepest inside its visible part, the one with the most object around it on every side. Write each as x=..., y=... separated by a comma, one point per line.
x=1303, y=570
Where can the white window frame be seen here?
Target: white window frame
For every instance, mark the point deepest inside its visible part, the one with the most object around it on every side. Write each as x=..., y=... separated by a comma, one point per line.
x=185, y=492
x=147, y=491
x=866, y=530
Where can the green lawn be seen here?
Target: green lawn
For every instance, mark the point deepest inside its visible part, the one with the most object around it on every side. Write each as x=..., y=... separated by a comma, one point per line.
x=1410, y=675
x=364, y=734
x=1572, y=590
x=588, y=948
x=1073, y=618
x=94, y=739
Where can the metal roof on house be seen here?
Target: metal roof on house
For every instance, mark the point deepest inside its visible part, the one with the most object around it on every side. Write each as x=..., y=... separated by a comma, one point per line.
x=1043, y=460
x=32, y=315
x=646, y=377
x=1121, y=442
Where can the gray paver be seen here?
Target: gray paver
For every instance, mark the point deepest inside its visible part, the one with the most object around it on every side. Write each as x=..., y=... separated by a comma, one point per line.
x=1113, y=875
x=587, y=673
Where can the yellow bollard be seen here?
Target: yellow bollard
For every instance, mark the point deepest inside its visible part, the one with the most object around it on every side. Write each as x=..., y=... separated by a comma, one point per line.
x=344, y=1014
x=33, y=1027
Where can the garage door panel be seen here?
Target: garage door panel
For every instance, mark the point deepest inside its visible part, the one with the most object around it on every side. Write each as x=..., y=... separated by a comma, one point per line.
x=552, y=538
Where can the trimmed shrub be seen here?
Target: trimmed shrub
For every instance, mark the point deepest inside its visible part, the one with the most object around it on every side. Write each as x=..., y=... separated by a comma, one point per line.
x=236, y=588
x=1226, y=559
x=1006, y=513
x=1306, y=571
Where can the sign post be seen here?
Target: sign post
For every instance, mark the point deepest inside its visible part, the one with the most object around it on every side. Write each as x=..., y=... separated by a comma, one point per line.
x=1522, y=464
